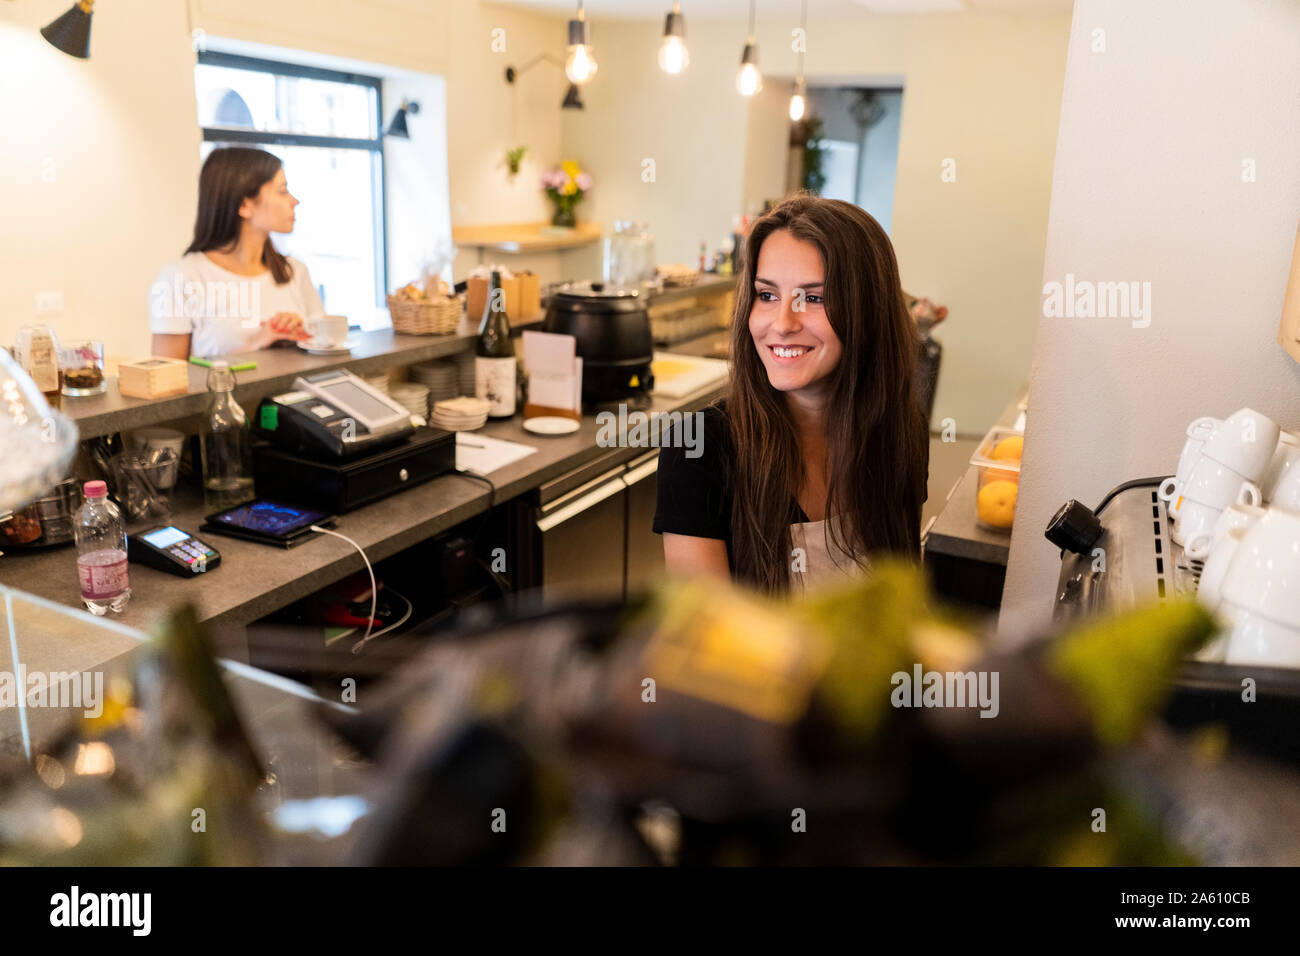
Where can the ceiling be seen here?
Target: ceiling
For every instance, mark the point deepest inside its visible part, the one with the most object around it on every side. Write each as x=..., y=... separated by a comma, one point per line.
x=817, y=9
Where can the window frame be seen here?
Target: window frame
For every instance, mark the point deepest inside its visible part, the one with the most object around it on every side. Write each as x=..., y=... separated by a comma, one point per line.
x=219, y=134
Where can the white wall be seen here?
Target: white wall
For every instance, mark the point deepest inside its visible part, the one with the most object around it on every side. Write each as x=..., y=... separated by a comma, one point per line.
x=1148, y=186
x=122, y=134
x=981, y=89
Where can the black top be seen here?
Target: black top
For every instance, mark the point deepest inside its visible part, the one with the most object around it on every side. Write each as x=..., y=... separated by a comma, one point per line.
x=695, y=493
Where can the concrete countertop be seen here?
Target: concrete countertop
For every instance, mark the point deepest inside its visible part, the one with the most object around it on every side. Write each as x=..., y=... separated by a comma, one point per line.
x=374, y=352
x=955, y=531
x=253, y=580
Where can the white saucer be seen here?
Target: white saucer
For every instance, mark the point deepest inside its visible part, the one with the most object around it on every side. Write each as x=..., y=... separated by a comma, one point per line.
x=550, y=425
x=335, y=350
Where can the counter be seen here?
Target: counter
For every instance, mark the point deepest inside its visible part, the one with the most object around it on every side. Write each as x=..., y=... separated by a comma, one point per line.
x=276, y=369
x=968, y=563
x=253, y=580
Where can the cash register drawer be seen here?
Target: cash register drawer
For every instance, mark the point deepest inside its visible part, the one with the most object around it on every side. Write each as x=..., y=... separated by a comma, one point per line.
x=342, y=486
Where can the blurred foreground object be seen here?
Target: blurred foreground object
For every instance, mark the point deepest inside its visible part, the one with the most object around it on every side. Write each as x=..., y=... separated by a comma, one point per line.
x=162, y=775
x=38, y=443
x=708, y=725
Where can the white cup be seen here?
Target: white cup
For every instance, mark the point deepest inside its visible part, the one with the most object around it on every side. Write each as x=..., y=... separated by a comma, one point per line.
x=1194, y=518
x=1256, y=639
x=1285, y=456
x=1199, y=547
x=327, y=331
x=1245, y=442
x=1286, y=490
x=1209, y=589
x=1217, y=485
x=1264, y=576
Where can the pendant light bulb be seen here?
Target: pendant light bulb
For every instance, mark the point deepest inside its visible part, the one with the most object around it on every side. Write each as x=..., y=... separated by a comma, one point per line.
x=580, y=61
x=673, y=55
x=799, y=101
x=749, y=80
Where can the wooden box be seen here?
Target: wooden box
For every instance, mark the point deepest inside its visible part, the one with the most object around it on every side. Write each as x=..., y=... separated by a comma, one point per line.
x=523, y=297
x=153, y=377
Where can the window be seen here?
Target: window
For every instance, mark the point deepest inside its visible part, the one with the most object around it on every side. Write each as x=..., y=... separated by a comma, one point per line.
x=326, y=127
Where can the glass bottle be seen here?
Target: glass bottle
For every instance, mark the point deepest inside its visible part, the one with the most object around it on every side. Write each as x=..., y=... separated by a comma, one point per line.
x=225, y=446
x=494, y=355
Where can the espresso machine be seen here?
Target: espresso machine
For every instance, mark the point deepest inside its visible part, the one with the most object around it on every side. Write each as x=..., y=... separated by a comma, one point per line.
x=1120, y=555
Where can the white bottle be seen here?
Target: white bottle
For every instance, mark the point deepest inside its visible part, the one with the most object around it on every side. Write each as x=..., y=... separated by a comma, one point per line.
x=101, y=552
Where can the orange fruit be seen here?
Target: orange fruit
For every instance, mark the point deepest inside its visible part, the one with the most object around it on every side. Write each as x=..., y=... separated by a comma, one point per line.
x=1012, y=447
x=996, y=503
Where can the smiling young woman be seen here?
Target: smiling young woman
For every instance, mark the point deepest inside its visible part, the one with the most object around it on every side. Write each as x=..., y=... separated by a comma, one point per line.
x=819, y=454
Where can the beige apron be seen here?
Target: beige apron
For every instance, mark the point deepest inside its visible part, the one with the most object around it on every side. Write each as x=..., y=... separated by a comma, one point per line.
x=825, y=564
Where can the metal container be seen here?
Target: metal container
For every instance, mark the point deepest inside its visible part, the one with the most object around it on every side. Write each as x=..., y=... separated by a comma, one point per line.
x=612, y=329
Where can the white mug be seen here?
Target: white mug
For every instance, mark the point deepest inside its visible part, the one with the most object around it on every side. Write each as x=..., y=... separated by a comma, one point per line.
x=1255, y=639
x=1239, y=515
x=1264, y=576
x=1218, y=486
x=1286, y=490
x=1209, y=588
x=327, y=331
x=1194, y=518
x=1245, y=442
x=1283, y=462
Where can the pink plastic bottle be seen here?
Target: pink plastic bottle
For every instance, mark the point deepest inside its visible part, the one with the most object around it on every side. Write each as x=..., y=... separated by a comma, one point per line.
x=101, y=552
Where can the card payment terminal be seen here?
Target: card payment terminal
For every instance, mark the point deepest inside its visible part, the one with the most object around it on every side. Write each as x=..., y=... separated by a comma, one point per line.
x=172, y=550
x=332, y=415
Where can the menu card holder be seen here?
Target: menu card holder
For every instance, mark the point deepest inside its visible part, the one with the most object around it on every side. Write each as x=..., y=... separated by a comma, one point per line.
x=554, y=376
x=1288, y=333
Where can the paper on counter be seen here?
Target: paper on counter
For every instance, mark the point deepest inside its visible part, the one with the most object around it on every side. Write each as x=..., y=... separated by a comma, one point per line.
x=481, y=455
x=554, y=370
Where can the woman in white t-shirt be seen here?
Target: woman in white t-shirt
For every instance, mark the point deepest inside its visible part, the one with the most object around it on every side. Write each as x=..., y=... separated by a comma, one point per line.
x=233, y=291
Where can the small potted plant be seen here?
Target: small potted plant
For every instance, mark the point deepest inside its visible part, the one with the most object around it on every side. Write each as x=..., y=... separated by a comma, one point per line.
x=565, y=186
x=515, y=159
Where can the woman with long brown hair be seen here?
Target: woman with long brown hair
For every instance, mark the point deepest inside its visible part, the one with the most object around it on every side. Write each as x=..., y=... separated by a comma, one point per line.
x=818, y=456
x=233, y=291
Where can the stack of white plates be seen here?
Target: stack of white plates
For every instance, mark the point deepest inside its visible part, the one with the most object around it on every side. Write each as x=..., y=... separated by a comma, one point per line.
x=414, y=397
x=462, y=414
x=465, y=372
x=439, y=376
x=379, y=381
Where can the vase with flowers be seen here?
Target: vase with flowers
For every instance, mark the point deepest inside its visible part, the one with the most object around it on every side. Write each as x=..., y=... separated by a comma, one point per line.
x=565, y=186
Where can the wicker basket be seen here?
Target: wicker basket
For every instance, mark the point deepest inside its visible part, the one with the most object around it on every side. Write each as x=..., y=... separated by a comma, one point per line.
x=440, y=316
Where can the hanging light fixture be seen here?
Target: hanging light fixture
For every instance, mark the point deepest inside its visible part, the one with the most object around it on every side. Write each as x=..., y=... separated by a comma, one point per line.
x=673, y=56
x=799, y=101
x=748, y=80
x=71, y=31
x=580, y=63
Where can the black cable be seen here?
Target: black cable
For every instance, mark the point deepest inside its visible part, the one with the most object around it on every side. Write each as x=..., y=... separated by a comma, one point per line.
x=503, y=585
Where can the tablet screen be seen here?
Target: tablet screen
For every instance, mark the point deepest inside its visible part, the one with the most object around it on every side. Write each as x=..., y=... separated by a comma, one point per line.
x=269, y=518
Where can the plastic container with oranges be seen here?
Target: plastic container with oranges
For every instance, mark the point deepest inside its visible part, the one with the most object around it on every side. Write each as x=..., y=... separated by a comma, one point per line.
x=997, y=461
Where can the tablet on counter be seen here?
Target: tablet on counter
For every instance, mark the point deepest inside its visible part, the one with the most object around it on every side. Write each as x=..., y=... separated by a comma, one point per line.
x=268, y=522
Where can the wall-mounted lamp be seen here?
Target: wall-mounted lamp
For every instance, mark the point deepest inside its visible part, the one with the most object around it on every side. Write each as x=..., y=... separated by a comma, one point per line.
x=398, y=126
x=572, y=98
x=71, y=32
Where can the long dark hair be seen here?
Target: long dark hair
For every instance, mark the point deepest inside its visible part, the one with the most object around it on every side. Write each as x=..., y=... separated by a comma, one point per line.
x=877, y=436
x=229, y=176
